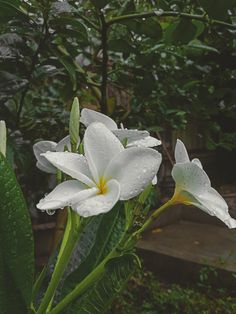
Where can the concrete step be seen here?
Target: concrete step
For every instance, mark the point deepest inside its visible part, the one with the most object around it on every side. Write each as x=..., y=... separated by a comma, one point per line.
x=204, y=244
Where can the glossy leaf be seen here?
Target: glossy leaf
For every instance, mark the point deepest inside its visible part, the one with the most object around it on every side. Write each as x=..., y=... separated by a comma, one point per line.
x=98, y=298
x=16, y=243
x=181, y=32
x=108, y=233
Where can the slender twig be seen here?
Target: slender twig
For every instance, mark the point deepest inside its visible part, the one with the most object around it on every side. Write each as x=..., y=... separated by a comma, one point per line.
x=104, y=64
x=203, y=18
x=163, y=143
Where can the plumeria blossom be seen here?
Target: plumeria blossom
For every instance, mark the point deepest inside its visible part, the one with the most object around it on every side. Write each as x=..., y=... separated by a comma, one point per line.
x=107, y=172
x=133, y=137
x=193, y=187
x=49, y=146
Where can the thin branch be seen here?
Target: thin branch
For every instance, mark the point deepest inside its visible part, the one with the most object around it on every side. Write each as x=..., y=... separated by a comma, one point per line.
x=104, y=64
x=202, y=18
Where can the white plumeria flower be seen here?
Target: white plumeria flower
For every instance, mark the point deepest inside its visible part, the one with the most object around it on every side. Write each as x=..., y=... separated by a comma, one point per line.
x=49, y=146
x=193, y=187
x=107, y=173
x=134, y=137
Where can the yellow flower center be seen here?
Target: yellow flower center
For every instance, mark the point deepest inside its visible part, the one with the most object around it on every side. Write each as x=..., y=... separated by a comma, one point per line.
x=102, y=186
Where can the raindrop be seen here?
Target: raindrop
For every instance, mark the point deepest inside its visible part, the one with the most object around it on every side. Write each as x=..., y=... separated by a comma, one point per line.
x=50, y=212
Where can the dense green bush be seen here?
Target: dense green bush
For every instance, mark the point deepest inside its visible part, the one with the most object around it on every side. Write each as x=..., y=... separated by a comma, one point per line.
x=147, y=295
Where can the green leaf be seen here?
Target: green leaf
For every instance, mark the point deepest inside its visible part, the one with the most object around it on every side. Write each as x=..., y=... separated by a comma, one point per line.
x=16, y=245
x=197, y=44
x=120, y=45
x=98, y=298
x=100, y=3
x=150, y=27
x=11, y=9
x=74, y=124
x=63, y=22
x=68, y=65
x=181, y=32
x=217, y=9
x=108, y=233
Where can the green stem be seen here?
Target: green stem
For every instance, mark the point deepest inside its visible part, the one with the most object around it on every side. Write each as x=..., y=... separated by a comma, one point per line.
x=83, y=285
x=136, y=235
x=67, y=246
x=202, y=18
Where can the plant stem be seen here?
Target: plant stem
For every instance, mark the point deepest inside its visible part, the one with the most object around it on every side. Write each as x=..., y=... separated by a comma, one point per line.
x=83, y=285
x=104, y=64
x=202, y=18
x=136, y=235
x=69, y=241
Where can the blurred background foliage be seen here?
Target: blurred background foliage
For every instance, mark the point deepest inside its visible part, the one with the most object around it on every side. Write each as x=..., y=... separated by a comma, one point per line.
x=159, y=65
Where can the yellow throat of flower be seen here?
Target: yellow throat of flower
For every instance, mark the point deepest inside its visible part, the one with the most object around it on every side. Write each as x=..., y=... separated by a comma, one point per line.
x=102, y=186
x=180, y=198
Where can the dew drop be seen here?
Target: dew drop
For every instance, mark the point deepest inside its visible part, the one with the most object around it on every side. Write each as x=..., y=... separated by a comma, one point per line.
x=50, y=212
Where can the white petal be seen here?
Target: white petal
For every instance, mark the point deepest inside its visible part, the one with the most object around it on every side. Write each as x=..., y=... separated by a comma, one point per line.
x=100, y=147
x=48, y=169
x=73, y=164
x=89, y=116
x=147, y=141
x=181, y=154
x=65, y=142
x=66, y=194
x=214, y=204
x=100, y=203
x=197, y=162
x=131, y=135
x=189, y=177
x=134, y=168
x=43, y=147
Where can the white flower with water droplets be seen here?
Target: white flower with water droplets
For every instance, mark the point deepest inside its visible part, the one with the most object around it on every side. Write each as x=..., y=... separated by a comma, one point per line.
x=193, y=187
x=49, y=146
x=134, y=137
x=107, y=173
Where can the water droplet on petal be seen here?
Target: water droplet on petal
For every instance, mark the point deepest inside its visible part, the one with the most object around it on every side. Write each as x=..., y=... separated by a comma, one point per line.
x=50, y=212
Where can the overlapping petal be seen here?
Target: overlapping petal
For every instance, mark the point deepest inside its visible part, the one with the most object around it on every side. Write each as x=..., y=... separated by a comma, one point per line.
x=73, y=164
x=100, y=147
x=130, y=135
x=181, y=154
x=100, y=203
x=65, y=194
x=89, y=116
x=147, y=141
x=65, y=142
x=42, y=163
x=134, y=137
x=189, y=177
x=134, y=168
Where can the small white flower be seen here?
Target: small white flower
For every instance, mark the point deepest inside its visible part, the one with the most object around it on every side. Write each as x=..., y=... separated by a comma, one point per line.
x=134, y=137
x=48, y=146
x=107, y=173
x=193, y=187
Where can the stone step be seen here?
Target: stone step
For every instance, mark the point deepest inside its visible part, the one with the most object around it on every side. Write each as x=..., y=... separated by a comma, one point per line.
x=199, y=243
